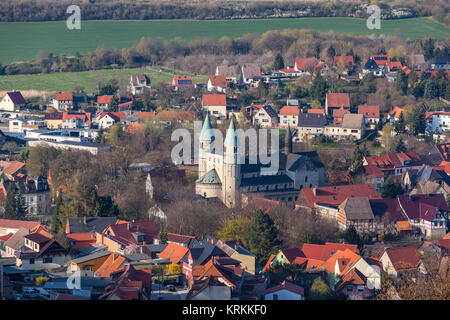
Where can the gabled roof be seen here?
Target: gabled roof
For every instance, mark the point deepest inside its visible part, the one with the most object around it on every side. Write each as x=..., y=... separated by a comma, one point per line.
x=353, y=277
x=387, y=207
x=311, y=120
x=181, y=80
x=322, y=252
x=251, y=71
x=174, y=253
x=17, y=224
x=345, y=260
x=211, y=177
x=285, y=285
x=337, y=100
x=112, y=264
x=395, y=112
x=292, y=253
x=300, y=62
x=127, y=231
x=16, y=97
x=214, y=100
x=352, y=121
x=218, y=81
x=403, y=258
x=289, y=111
x=349, y=61
x=380, y=59
x=357, y=208
x=369, y=111
x=64, y=96
x=89, y=224
x=104, y=99
x=316, y=111
x=227, y=71
x=422, y=206
x=180, y=238
x=116, y=116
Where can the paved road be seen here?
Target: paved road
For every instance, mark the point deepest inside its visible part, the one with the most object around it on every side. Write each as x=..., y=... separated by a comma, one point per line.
x=159, y=291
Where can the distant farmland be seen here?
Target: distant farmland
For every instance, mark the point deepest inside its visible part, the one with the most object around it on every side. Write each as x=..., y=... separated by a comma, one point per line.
x=67, y=81
x=22, y=40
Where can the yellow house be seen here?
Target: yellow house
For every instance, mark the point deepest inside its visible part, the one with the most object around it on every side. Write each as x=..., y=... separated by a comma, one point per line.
x=90, y=262
x=53, y=120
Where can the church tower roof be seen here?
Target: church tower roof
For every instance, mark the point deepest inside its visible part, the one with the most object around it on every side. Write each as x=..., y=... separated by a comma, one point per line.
x=207, y=130
x=231, y=139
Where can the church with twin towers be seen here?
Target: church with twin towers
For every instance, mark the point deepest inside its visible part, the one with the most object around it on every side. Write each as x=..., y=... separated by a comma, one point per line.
x=222, y=174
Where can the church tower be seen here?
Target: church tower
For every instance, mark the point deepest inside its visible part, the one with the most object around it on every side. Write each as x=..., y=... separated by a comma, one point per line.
x=231, y=171
x=206, y=139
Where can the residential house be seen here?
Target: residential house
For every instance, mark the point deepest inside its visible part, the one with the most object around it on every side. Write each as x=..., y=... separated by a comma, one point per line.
x=394, y=114
x=12, y=101
x=35, y=251
x=217, y=83
x=181, y=240
x=394, y=163
x=354, y=285
x=63, y=101
x=316, y=111
x=308, y=65
x=356, y=212
x=397, y=261
x=394, y=66
x=289, y=116
x=427, y=212
x=285, y=291
x=139, y=83
x=89, y=224
x=371, y=114
x=237, y=252
x=336, y=101
x=417, y=62
x=90, y=263
x=265, y=117
x=35, y=192
x=209, y=289
x=103, y=102
x=438, y=121
x=229, y=72
x=53, y=120
x=338, y=115
x=441, y=63
x=174, y=252
x=8, y=226
x=344, y=61
x=325, y=201
x=352, y=127
x=380, y=59
x=215, y=105
x=81, y=240
x=113, y=263
x=13, y=170
x=107, y=119
x=181, y=81
x=72, y=120
x=373, y=67
x=250, y=73
x=426, y=180
x=129, y=284
x=310, y=125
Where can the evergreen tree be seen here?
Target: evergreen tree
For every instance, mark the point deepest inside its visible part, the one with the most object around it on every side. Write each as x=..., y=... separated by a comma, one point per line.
x=400, y=146
x=262, y=238
x=114, y=105
x=402, y=81
x=416, y=120
x=163, y=237
x=331, y=52
x=356, y=164
x=351, y=236
x=428, y=48
x=430, y=90
x=318, y=88
x=400, y=125
x=58, y=215
x=279, y=62
x=14, y=205
x=391, y=188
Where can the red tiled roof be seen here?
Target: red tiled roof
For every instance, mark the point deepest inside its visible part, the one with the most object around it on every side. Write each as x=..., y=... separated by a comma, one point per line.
x=289, y=111
x=269, y=262
x=353, y=277
x=292, y=253
x=286, y=286
x=346, y=260
x=395, y=160
x=380, y=62
x=263, y=204
x=300, y=62
x=110, y=265
x=184, y=79
x=17, y=224
x=104, y=99
x=85, y=116
x=179, y=238
x=335, y=195
x=444, y=243
x=403, y=258
x=11, y=167
x=144, y=115
x=214, y=100
x=316, y=111
x=117, y=116
x=338, y=100
x=324, y=252
x=349, y=61
x=338, y=115
x=369, y=111
x=64, y=96
x=218, y=81
x=6, y=237
x=395, y=112
x=394, y=64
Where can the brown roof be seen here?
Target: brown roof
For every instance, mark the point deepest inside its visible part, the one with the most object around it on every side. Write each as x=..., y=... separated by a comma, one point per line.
x=286, y=286
x=227, y=71
x=218, y=81
x=404, y=258
x=63, y=96
x=357, y=208
x=338, y=100
x=251, y=71
x=353, y=121
x=290, y=111
x=17, y=224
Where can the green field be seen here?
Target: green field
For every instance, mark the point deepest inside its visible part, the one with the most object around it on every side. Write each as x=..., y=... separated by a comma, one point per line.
x=67, y=81
x=22, y=40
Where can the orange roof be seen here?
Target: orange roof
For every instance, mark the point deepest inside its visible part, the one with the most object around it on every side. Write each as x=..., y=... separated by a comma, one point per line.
x=404, y=226
x=110, y=265
x=182, y=80
x=384, y=59
x=349, y=61
x=174, y=252
x=447, y=236
x=11, y=167
x=104, y=99
x=369, y=111
x=214, y=100
x=338, y=115
x=321, y=252
x=81, y=236
x=394, y=64
x=300, y=62
x=85, y=116
x=268, y=263
x=316, y=111
x=395, y=112
x=289, y=111
x=338, y=100
x=17, y=224
x=346, y=260
x=135, y=127
x=218, y=81
x=144, y=115
x=42, y=230
x=63, y=96
x=115, y=115
x=403, y=258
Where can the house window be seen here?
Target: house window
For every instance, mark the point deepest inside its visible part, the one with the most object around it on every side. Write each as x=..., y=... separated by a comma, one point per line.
x=360, y=288
x=275, y=297
x=32, y=261
x=47, y=260
x=349, y=288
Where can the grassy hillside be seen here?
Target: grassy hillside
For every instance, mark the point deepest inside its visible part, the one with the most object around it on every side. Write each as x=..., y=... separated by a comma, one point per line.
x=67, y=81
x=22, y=40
